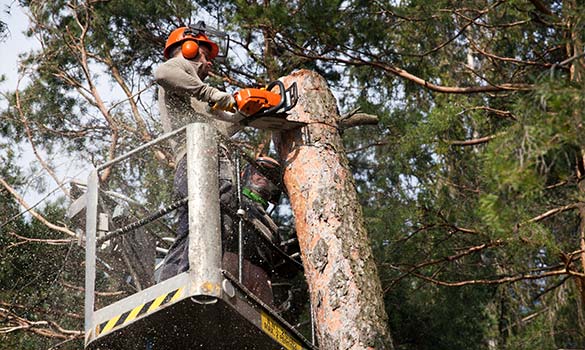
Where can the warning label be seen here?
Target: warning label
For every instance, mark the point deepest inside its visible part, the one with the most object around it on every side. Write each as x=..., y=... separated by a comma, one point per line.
x=278, y=333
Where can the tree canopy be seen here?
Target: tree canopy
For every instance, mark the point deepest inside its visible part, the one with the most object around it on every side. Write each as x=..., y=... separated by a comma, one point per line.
x=471, y=183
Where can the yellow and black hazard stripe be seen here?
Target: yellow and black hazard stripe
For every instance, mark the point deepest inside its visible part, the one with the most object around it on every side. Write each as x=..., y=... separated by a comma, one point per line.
x=138, y=311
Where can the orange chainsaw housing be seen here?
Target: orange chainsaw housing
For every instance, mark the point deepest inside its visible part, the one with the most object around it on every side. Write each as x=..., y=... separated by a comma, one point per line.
x=251, y=101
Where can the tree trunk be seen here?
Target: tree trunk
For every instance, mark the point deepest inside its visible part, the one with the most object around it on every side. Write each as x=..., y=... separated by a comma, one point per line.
x=343, y=281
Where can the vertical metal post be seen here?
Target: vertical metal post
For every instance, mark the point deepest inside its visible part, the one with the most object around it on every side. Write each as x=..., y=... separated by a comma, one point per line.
x=240, y=221
x=204, y=211
x=90, y=247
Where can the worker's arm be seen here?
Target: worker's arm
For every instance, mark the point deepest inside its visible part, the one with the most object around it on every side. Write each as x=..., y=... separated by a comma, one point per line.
x=227, y=123
x=179, y=76
x=227, y=116
x=232, y=118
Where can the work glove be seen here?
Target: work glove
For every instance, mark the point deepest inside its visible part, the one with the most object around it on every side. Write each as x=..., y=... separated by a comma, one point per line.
x=226, y=103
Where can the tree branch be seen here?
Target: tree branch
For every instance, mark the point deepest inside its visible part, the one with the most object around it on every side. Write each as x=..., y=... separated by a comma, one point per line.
x=84, y=63
x=42, y=310
x=356, y=61
x=48, y=329
x=36, y=215
x=24, y=240
x=466, y=252
x=29, y=136
x=373, y=144
x=462, y=29
x=498, y=112
x=358, y=119
x=508, y=59
x=472, y=142
x=551, y=212
x=507, y=279
x=101, y=294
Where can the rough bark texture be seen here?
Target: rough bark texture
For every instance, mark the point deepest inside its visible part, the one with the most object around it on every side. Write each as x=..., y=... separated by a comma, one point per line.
x=341, y=272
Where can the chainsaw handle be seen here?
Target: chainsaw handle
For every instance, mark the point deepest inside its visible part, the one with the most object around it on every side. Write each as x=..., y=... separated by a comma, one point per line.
x=214, y=107
x=292, y=90
x=282, y=95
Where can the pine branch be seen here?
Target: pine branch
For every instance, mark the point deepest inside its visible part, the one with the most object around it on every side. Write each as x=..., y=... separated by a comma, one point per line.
x=462, y=29
x=472, y=142
x=100, y=294
x=498, y=112
x=509, y=59
x=36, y=215
x=358, y=119
x=48, y=329
x=24, y=240
x=29, y=136
x=472, y=250
x=357, y=61
x=551, y=212
x=373, y=144
x=502, y=280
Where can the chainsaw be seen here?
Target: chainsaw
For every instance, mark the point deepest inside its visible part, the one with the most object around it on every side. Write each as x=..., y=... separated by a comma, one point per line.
x=267, y=109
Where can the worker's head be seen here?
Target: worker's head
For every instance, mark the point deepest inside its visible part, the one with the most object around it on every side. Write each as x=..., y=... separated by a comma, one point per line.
x=192, y=45
x=255, y=180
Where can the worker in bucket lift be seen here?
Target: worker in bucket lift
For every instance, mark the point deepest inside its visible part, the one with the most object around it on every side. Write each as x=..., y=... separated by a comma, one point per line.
x=183, y=99
x=257, y=193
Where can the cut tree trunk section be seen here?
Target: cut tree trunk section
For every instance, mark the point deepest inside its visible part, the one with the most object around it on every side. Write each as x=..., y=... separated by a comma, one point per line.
x=343, y=281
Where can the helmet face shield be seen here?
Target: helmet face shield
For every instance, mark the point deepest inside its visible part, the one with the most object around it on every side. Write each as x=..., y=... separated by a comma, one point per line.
x=218, y=40
x=255, y=179
x=215, y=40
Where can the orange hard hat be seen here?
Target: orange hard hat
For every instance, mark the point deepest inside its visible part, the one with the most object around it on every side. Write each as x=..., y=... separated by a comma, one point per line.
x=182, y=34
x=268, y=162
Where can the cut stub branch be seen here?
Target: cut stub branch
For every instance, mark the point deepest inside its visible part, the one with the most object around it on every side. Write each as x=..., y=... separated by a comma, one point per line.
x=341, y=273
x=358, y=119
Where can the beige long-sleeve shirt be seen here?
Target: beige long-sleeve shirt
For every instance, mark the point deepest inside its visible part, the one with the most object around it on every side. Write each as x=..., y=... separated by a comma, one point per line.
x=183, y=99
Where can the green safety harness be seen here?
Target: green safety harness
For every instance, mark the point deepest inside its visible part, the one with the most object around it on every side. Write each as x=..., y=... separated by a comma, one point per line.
x=254, y=196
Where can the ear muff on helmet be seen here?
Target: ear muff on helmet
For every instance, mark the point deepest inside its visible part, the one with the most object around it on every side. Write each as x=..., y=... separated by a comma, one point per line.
x=183, y=35
x=190, y=49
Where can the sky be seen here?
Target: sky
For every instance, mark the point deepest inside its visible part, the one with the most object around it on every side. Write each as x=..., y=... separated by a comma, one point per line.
x=15, y=44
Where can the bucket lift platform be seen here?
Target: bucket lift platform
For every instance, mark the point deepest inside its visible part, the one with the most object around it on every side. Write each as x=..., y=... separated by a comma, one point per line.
x=203, y=308
x=168, y=316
